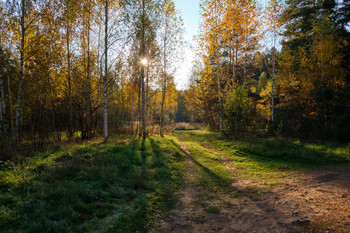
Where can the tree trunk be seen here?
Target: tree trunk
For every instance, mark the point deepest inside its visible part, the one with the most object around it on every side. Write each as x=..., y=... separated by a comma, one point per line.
x=1, y=107
x=21, y=67
x=143, y=73
x=10, y=103
x=273, y=83
x=138, y=130
x=219, y=94
x=70, y=129
x=88, y=83
x=105, y=107
x=143, y=104
x=164, y=81
x=163, y=106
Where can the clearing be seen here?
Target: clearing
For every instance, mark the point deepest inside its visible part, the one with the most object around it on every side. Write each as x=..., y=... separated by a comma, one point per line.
x=261, y=185
x=188, y=181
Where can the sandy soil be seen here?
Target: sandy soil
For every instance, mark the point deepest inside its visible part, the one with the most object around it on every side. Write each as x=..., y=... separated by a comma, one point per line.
x=318, y=201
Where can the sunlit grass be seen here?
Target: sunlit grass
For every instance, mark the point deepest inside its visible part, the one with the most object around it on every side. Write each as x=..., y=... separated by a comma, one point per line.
x=208, y=170
x=268, y=159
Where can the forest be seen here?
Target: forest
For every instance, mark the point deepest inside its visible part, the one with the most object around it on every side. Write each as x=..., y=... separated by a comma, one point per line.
x=95, y=135
x=299, y=88
x=74, y=68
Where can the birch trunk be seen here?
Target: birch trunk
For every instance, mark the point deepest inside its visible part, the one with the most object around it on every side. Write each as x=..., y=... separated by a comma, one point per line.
x=105, y=107
x=163, y=105
x=219, y=94
x=143, y=119
x=164, y=81
x=70, y=130
x=19, y=94
x=143, y=74
x=273, y=83
x=88, y=82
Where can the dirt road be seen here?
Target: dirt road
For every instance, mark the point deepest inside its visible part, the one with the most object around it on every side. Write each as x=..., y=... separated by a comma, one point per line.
x=317, y=201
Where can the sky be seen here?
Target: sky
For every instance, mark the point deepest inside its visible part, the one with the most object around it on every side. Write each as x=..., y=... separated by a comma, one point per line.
x=190, y=14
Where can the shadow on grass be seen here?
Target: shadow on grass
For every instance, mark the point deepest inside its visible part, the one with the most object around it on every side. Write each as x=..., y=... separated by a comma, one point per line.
x=278, y=152
x=216, y=180
x=97, y=187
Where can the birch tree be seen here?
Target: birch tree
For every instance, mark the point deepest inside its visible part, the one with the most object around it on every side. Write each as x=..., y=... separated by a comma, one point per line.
x=273, y=17
x=2, y=72
x=171, y=39
x=105, y=106
x=144, y=24
x=23, y=16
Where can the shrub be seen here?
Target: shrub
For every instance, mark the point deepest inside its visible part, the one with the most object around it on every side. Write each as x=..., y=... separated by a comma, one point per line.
x=237, y=111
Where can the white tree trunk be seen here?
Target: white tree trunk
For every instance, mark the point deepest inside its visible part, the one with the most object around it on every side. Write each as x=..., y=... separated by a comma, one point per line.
x=70, y=130
x=19, y=94
x=105, y=106
x=273, y=83
x=164, y=82
x=143, y=74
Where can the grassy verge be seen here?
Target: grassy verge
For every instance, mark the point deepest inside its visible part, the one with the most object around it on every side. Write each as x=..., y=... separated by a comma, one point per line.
x=208, y=169
x=92, y=187
x=267, y=159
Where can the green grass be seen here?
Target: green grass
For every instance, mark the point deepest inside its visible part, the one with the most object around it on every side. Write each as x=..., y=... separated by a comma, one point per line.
x=208, y=170
x=121, y=186
x=219, y=163
x=267, y=159
x=92, y=187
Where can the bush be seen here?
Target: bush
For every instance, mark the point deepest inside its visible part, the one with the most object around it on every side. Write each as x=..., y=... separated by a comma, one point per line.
x=237, y=112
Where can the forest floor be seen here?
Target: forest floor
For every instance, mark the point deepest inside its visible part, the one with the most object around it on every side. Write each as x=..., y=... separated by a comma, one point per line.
x=187, y=181
x=260, y=186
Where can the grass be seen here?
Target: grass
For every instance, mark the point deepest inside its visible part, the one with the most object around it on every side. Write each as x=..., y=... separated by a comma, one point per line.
x=208, y=170
x=121, y=186
x=212, y=210
x=200, y=218
x=92, y=187
x=186, y=126
x=220, y=162
x=267, y=159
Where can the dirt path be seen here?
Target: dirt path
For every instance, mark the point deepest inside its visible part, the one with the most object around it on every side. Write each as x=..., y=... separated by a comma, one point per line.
x=314, y=202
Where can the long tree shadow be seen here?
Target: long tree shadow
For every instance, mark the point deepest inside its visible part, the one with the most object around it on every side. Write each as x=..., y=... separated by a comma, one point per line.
x=281, y=153
x=223, y=183
x=79, y=186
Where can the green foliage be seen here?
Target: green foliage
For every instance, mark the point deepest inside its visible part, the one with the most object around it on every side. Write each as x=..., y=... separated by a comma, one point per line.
x=262, y=82
x=237, y=111
x=312, y=73
x=181, y=114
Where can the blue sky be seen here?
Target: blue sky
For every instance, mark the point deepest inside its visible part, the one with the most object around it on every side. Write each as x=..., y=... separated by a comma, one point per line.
x=190, y=14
